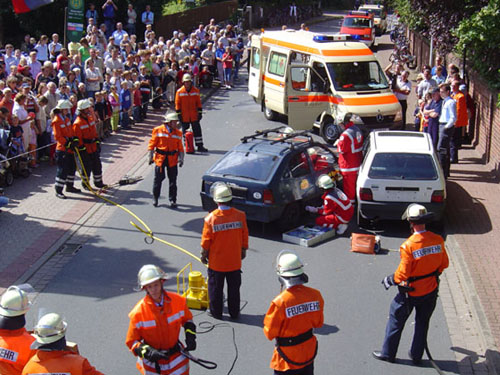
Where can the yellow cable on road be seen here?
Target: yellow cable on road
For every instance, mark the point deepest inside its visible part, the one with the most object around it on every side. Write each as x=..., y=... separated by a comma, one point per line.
x=145, y=229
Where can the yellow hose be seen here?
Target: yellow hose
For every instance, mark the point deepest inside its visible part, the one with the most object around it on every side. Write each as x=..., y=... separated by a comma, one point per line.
x=145, y=229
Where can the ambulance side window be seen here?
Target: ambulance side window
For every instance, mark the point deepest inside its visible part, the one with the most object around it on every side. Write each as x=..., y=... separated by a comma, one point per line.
x=277, y=64
x=298, y=78
x=319, y=81
x=255, y=57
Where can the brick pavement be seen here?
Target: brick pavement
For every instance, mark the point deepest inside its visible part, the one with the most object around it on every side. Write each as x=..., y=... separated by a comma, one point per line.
x=36, y=223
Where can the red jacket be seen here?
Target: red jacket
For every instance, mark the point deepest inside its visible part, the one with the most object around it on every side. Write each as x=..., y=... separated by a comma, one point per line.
x=188, y=103
x=59, y=362
x=350, y=148
x=63, y=131
x=166, y=140
x=335, y=202
x=15, y=350
x=85, y=130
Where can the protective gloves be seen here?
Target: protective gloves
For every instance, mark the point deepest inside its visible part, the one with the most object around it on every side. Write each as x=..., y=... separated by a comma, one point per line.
x=190, y=331
x=204, y=256
x=200, y=114
x=148, y=352
x=243, y=253
x=388, y=281
x=151, y=157
x=311, y=209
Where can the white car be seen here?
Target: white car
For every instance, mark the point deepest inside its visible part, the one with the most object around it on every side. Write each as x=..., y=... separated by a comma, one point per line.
x=379, y=17
x=399, y=168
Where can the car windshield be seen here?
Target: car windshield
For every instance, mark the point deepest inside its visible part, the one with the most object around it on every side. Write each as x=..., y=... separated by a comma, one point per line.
x=360, y=22
x=250, y=165
x=375, y=12
x=402, y=166
x=357, y=76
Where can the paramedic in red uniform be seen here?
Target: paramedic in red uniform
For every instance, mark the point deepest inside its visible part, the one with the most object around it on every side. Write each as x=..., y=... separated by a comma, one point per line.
x=350, y=148
x=52, y=356
x=166, y=151
x=224, y=242
x=15, y=341
x=155, y=325
x=423, y=259
x=291, y=318
x=188, y=107
x=337, y=209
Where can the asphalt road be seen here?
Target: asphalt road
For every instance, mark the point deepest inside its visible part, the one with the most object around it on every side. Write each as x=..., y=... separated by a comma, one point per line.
x=94, y=291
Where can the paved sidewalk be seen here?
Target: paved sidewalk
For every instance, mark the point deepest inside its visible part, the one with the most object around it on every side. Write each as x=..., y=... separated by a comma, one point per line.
x=36, y=223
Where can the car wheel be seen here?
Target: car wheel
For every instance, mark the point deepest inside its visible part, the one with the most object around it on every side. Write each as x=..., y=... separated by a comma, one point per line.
x=290, y=217
x=330, y=132
x=9, y=178
x=360, y=220
x=269, y=114
x=25, y=173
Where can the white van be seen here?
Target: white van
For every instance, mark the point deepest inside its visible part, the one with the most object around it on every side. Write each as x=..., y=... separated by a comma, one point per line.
x=316, y=79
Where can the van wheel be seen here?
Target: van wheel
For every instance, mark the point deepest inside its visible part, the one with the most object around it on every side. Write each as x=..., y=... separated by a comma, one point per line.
x=290, y=217
x=360, y=220
x=269, y=114
x=330, y=132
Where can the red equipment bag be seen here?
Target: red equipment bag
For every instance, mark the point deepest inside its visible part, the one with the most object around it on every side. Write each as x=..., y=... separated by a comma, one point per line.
x=189, y=142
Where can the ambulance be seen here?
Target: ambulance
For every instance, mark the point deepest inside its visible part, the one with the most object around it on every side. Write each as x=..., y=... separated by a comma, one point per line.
x=315, y=79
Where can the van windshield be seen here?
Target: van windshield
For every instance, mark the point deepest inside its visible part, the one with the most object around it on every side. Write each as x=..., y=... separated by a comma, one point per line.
x=375, y=12
x=357, y=76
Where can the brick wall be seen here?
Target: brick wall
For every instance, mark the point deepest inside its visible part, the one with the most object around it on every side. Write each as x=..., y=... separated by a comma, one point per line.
x=486, y=129
x=190, y=19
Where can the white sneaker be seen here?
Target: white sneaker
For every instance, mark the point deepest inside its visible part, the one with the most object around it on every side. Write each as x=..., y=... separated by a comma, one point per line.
x=341, y=228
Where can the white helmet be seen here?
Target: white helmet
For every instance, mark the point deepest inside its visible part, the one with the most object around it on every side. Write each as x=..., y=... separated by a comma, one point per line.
x=325, y=182
x=417, y=214
x=172, y=116
x=288, y=264
x=148, y=274
x=288, y=130
x=222, y=193
x=186, y=77
x=83, y=104
x=14, y=302
x=50, y=328
x=64, y=104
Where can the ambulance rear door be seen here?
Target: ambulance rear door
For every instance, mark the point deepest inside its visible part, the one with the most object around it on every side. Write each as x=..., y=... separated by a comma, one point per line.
x=275, y=81
x=308, y=95
x=257, y=66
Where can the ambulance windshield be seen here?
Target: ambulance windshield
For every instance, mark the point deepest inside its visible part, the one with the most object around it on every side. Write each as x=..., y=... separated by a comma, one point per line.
x=357, y=76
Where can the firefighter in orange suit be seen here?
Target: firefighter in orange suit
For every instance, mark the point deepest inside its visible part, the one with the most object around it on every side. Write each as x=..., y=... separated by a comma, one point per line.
x=89, y=143
x=224, y=243
x=337, y=209
x=291, y=318
x=188, y=107
x=423, y=259
x=15, y=341
x=155, y=324
x=66, y=141
x=350, y=148
x=52, y=356
x=166, y=151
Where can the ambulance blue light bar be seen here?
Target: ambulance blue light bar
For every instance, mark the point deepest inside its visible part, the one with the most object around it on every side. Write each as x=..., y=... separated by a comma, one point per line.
x=331, y=38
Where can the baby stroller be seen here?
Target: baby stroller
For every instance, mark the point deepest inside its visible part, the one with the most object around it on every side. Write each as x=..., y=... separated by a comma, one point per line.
x=6, y=175
x=19, y=165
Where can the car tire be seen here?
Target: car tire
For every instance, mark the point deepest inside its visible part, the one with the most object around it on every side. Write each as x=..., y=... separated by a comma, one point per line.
x=9, y=178
x=360, y=220
x=25, y=173
x=290, y=218
x=330, y=132
x=269, y=114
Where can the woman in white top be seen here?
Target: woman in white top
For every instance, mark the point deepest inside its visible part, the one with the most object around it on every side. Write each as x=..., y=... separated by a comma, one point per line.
x=131, y=19
x=42, y=49
x=92, y=78
x=24, y=119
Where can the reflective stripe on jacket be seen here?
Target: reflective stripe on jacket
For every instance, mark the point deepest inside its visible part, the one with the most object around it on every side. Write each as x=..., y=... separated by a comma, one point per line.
x=421, y=254
x=85, y=130
x=188, y=103
x=166, y=140
x=59, y=362
x=350, y=148
x=159, y=327
x=14, y=350
x=335, y=202
x=295, y=311
x=63, y=131
x=225, y=233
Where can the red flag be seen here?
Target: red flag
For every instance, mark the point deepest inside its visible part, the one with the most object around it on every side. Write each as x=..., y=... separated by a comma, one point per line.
x=23, y=6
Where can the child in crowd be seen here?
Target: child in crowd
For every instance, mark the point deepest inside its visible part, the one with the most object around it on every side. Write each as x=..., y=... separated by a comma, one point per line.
x=158, y=98
x=44, y=136
x=16, y=146
x=137, y=102
x=114, y=101
x=125, y=104
x=206, y=78
x=98, y=115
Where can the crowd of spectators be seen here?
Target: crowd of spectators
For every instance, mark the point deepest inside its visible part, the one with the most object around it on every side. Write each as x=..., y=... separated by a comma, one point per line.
x=121, y=72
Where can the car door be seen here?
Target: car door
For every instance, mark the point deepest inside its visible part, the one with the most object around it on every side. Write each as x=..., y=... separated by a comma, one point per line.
x=275, y=81
x=308, y=95
x=297, y=181
x=256, y=63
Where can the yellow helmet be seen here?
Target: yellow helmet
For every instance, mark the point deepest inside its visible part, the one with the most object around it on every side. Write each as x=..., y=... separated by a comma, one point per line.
x=325, y=182
x=148, y=274
x=14, y=302
x=222, y=193
x=50, y=328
